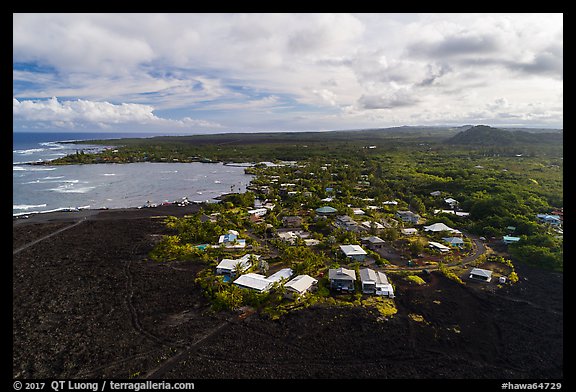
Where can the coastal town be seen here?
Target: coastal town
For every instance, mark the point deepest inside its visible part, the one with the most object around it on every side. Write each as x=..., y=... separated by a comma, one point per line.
x=305, y=233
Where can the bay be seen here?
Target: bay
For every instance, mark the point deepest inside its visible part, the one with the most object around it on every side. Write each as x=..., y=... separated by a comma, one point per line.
x=44, y=188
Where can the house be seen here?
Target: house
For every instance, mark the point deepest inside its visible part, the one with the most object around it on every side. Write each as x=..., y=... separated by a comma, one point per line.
x=457, y=213
x=450, y=201
x=346, y=223
x=358, y=211
x=553, y=220
x=284, y=273
x=435, y=193
x=507, y=239
x=326, y=210
x=409, y=231
x=369, y=225
x=480, y=274
x=231, y=240
x=390, y=203
x=254, y=282
x=408, y=216
x=354, y=252
x=373, y=242
x=228, y=266
x=292, y=221
x=258, y=211
x=375, y=282
x=300, y=285
x=438, y=227
x=292, y=236
x=342, y=279
x=454, y=241
x=438, y=246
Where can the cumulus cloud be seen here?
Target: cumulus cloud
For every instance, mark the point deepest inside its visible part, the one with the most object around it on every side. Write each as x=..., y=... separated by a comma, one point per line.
x=101, y=114
x=252, y=70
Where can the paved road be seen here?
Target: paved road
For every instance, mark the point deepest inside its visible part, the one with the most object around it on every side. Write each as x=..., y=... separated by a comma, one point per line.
x=479, y=249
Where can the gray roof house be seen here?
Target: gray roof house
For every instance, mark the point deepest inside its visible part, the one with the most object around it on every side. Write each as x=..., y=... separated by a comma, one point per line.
x=373, y=242
x=480, y=274
x=375, y=282
x=408, y=216
x=342, y=279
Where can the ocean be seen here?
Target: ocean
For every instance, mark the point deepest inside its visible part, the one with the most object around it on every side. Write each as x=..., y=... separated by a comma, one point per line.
x=44, y=188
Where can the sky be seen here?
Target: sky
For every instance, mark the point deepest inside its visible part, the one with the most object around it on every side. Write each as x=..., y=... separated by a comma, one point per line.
x=231, y=72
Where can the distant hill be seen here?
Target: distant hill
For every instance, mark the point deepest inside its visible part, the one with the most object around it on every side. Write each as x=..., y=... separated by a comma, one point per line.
x=483, y=135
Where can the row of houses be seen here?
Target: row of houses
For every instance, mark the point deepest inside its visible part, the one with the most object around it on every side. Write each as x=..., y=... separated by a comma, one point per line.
x=372, y=282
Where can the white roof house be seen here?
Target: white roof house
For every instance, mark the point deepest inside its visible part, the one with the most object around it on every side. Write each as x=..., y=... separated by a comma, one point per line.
x=284, y=273
x=353, y=251
x=258, y=211
x=369, y=224
x=254, y=281
x=439, y=246
x=409, y=231
x=228, y=266
x=451, y=201
x=300, y=284
x=375, y=282
x=436, y=227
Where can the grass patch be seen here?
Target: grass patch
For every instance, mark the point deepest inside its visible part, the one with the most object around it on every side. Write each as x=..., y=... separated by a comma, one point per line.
x=385, y=306
x=416, y=280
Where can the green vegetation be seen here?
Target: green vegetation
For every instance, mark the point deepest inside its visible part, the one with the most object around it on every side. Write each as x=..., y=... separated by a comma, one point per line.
x=416, y=280
x=501, y=179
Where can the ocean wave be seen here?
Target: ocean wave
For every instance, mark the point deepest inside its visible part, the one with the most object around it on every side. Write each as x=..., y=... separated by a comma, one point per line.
x=28, y=151
x=69, y=188
x=31, y=168
x=27, y=206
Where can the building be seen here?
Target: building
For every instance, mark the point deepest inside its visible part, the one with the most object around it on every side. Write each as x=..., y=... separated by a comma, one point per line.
x=292, y=221
x=454, y=241
x=438, y=227
x=408, y=216
x=300, y=285
x=480, y=274
x=373, y=242
x=342, y=279
x=369, y=225
x=231, y=240
x=375, y=282
x=284, y=273
x=229, y=266
x=409, y=231
x=254, y=282
x=346, y=223
x=354, y=252
x=326, y=210
x=507, y=239
x=261, y=283
x=438, y=246
x=553, y=220
x=451, y=202
x=258, y=212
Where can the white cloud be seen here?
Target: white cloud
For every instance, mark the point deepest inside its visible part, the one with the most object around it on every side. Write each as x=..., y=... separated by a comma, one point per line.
x=102, y=114
x=343, y=68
